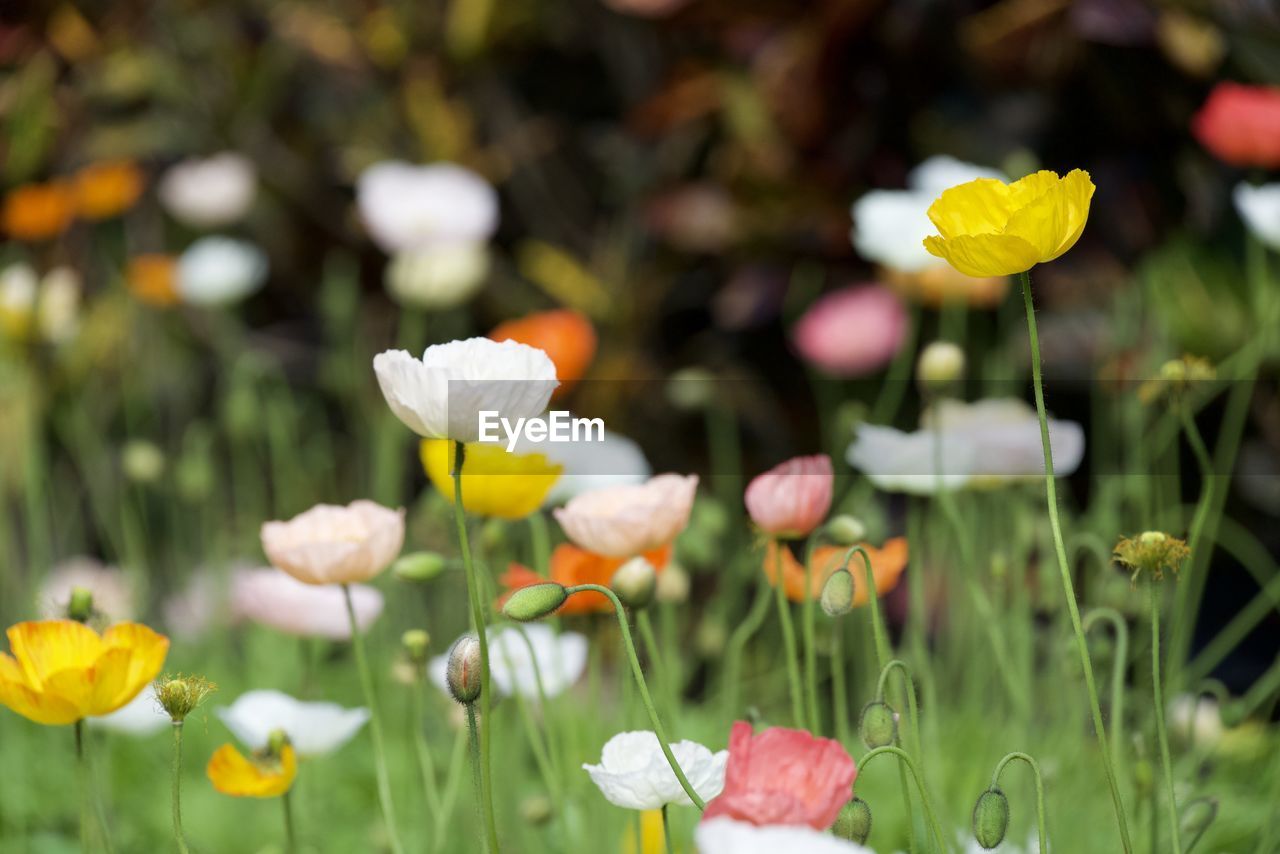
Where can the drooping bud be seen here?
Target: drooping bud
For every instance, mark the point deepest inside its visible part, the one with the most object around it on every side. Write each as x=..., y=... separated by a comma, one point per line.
x=418, y=567
x=837, y=593
x=179, y=695
x=635, y=583
x=846, y=530
x=941, y=365
x=462, y=673
x=80, y=606
x=879, y=725
x=535, y=601
x=415, y=643
x=991, y=818
x=854, y=821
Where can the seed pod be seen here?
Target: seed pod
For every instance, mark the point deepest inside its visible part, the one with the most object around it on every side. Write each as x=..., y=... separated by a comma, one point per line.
x=462, y=673
x=854, y=821
x=418, y=567
x=635, y=582
x=535, y=601
x=837, y=594
x=846, y=530
x=179, y=695
x=879, y=725
x=991, y=818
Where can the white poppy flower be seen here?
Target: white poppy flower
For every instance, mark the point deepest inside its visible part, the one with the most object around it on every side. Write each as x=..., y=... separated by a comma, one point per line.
x=437, y=277
x=209, y=192
x=216, y=271
x=725, y=836
x=588, y=465
x=634, y=773
x=986, y=443
x=624, y=521
x=19, y=285
x=889, y=226
x=561, y=659
x=407, y=207
x=441, y=395
x=274, y=598
x=1196, y=719
x=141, y=716
x=313, y=728
x=1259, y=207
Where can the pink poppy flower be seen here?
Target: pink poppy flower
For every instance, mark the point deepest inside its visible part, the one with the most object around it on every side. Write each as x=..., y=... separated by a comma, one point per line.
x=852, y=332
x=275, y=599
x=114, y=595
x=784, y=776
x=1240, y=125
x=793, y=498
x=331, y=544
x=627, y=520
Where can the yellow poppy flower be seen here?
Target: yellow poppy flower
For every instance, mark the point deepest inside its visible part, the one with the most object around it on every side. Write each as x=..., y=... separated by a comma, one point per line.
x=62, y=671
x=651, y=835
x=258, y=777
x=495, y=482
x=990, y=228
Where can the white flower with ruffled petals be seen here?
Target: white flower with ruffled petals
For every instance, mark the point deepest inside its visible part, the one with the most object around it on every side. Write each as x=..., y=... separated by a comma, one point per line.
x=634, y=773
x=1259, y=207
x=441, y=395
x=406, y=207
x=314, y=729
x=725, y=836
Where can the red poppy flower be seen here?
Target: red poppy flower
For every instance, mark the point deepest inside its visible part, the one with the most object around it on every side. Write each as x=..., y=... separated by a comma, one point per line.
x=1240, y=125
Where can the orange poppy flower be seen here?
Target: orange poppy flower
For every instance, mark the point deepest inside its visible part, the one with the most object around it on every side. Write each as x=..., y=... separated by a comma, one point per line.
x=887, y=564
x=38, y=211
x=566, y=336
x=153, y=279
x=232, y=773
x=104, y=190
x=571, y=565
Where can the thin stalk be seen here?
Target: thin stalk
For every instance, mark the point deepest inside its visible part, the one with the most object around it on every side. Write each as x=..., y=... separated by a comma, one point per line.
x=638, y=673
x=290, y=838
x=375, y=726
x=666, y=831
x=91, y=812
x=539, y=543
x=477, y=618
x=906, y=760
x=426, y=765
x=1035, y=771
x=788, y=638
x=452, y=784
x=1162, y=737
x=477, y=778
x=178, y=836
x=1184, y=622
x=1068, y=588
x=809, y=629
x=839, y=691
x=1118, y=667
x=738, y=641
x=656, y=664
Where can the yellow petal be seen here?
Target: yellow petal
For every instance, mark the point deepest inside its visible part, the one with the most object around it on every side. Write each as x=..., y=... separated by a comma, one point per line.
x=18, y=695
x=1053, y=221
x=495, y=482
x=44, y=647
x=984, y=254
x=981, y=206
x=233, y=774
x=146, y=650
x=1077, y=191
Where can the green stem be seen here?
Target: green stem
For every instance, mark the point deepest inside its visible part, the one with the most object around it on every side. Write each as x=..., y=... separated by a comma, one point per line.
x=540, y=543
x=477, y=778
x=737, y=642
x=638, y=673
x=656, y=663
x=477, y=618
x=788, y=638
x=375, y=726
x=1195, y=536
x=906, y=760
x=666, y=831
x=1051, y=498
x=1035, y=771
x=1162, y=737
x=810, y=645
x=290, y=839
x=839, y=691
x=452, y=785
x=82, y=770
x=1119, y=665
x=426, y=766
x=178, y=836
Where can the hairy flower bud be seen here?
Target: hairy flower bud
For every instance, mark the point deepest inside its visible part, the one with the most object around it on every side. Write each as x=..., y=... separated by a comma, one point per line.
x=991, y=818
x=854, y=821
x=80, y=606
x=879, y=725
x=418, y=567
x=837, y=594
x=179, y=695
x=535, y=601
x=635, y=583
x=846, y=530
x=462, y=673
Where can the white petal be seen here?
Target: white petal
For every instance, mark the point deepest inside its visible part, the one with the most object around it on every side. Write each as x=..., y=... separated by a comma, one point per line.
x=726, y=836
x=314, y=728
x=1259, y=207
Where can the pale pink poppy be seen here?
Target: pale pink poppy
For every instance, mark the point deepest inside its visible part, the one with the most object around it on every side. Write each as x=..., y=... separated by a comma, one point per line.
x=329, y=544
x=852, y=332
x=791, y=499
x=113, y=594
x=627, y=520
x=279, y=601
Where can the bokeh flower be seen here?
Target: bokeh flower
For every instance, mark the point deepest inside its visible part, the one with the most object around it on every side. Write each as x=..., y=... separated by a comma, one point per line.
x=624, y=521
x=19, y=289
x=571, y=566
x=989, y=228
x=140, y=717
x=441, y=395
x=153, y=279
x=634, y=773
x=495, y=482
x=61, y=671
x=851, y=332
x=209, y=192
x=1259, y=207
x=437, y=277
x=1240, y=124
x=792, y=498
x=331, y=544
x=521, y=655
x=259, y=776
x=566, y=336
x=114, y=595
x=273, y=598
x=727, y=836
x=219, y=271
x=313, y=728
x=407, y=207
x=58, y=304
x=38, y=211
x=1195, y=720
x=887, y=565
x=107, y=189
x=783, y=776
x=615, y=460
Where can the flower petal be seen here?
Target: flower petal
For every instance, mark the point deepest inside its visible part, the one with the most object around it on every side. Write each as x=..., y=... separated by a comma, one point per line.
x=985, y=254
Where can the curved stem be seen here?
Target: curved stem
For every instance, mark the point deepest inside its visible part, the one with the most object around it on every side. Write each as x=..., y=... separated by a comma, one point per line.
x=788, y=638
x=375, y=726
x=1035, y=771
x=1068, y=588
x=177, y=788
x=661, y=675
x=477, y=618
x=738, y=641
x=1118, y=666
x=638, y=673
x=906, y=760
x=1162, y=736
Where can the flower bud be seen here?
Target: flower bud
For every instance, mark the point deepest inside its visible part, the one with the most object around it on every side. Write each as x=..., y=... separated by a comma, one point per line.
x=536, y=810
x=941, y=364
x=276, y=742
x=635, y=583
x=418, y=567
x=837, y=594
x=416, y=642
x=673, y=584
x=80, y=606
x=854, y=821
x=179, y=695
x=535, y=601
x=991, y=818
x=462, y=673
x=879, y=725
x=846, y=530
x=691, y=388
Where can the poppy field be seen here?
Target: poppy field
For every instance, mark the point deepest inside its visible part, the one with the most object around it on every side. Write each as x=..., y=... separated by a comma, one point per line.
x=640, y=426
